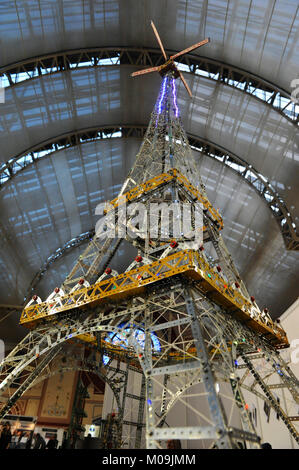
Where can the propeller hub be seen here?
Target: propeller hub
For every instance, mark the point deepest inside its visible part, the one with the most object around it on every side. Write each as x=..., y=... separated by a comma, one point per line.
x=169, y=66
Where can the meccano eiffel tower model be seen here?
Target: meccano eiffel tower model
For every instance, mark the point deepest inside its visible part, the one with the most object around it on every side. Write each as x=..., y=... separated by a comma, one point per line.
x=180, y=310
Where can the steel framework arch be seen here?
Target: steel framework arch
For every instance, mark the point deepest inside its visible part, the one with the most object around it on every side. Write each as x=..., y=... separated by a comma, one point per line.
x=115, y=377
x=230, y=75
x=34, y=353
x=259, y=182
x=69, y=245
x=47, y=347
x=82, y=365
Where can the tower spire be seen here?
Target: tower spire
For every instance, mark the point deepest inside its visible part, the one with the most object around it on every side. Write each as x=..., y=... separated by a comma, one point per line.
x=165, y=145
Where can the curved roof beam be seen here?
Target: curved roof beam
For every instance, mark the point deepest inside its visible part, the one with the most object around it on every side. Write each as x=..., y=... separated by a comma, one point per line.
x=263, y=90
x=273, y=200
x=259, y=182
x=68, y=246
x=85, y=365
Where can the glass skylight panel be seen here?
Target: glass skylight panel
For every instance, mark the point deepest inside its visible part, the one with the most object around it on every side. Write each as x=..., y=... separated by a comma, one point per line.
x=106, y=13
x=182, y=67
x=81, y=64
x=44, y=71
x=4, y=81
x=284, y=101
x=268, y=197
x=73, y=15
x=188, y=14
x=240, y=85
x=108, y=61
x=4, y=177
x=21, y=76
x=201, y=72
x=262, y=177
x=235, y=166
x=277, y=100
x=260, y=94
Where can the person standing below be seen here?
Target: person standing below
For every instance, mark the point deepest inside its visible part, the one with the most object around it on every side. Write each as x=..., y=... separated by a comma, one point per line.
x=40, y=442
x=23, y=440
x=52, y=443
x=29, y=440
x=5, y=436
x=14, y=440
x=18, y=439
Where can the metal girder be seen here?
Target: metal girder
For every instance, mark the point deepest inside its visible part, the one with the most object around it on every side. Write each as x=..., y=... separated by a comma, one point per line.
x=208, y=377
x=26, y=384
x=164, y=179
x=232, y=76
x=219, y=330
x=83, y=365
x=199, y=432
x=11, y=307
x=68, y=246
x=9, y=310
x=293, y=431
x=258, y=181
x=115, y=378
x=134, y=282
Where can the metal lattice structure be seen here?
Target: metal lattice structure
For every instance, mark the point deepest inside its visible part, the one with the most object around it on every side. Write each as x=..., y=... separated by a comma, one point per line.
x=274, y=200
x=210, y=331
x=212, y=69
x=115, y=371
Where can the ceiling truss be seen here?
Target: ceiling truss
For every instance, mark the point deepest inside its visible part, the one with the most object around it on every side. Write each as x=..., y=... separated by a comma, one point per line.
x=259, y=182
x=269, y=93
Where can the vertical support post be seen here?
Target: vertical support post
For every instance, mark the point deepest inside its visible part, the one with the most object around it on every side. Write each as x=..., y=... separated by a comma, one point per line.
x=149, y=391
x=140, y=414
x=214, y=402
x=121, y=411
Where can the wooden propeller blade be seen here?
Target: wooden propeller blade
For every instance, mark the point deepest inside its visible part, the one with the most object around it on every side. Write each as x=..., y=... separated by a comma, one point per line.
x=141, y=72
x=191, y=48
x=185, y=83
x=159, y=40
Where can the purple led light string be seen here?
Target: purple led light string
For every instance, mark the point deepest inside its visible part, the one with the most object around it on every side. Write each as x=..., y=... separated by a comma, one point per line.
x=174, y=98
x=162, y=96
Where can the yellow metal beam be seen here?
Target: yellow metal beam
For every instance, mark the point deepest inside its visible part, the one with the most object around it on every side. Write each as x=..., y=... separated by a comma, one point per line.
x=188, y=263
x=160, y=180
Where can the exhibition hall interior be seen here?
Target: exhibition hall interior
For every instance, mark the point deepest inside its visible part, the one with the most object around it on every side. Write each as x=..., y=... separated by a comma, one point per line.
x=149, y=224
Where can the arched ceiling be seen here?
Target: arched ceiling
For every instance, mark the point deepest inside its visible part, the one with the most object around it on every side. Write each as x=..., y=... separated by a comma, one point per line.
x=53, y=200
x=55, y=104
x=261, y=35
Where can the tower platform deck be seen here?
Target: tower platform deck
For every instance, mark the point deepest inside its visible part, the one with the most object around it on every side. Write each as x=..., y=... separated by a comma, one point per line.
x=188, y=263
